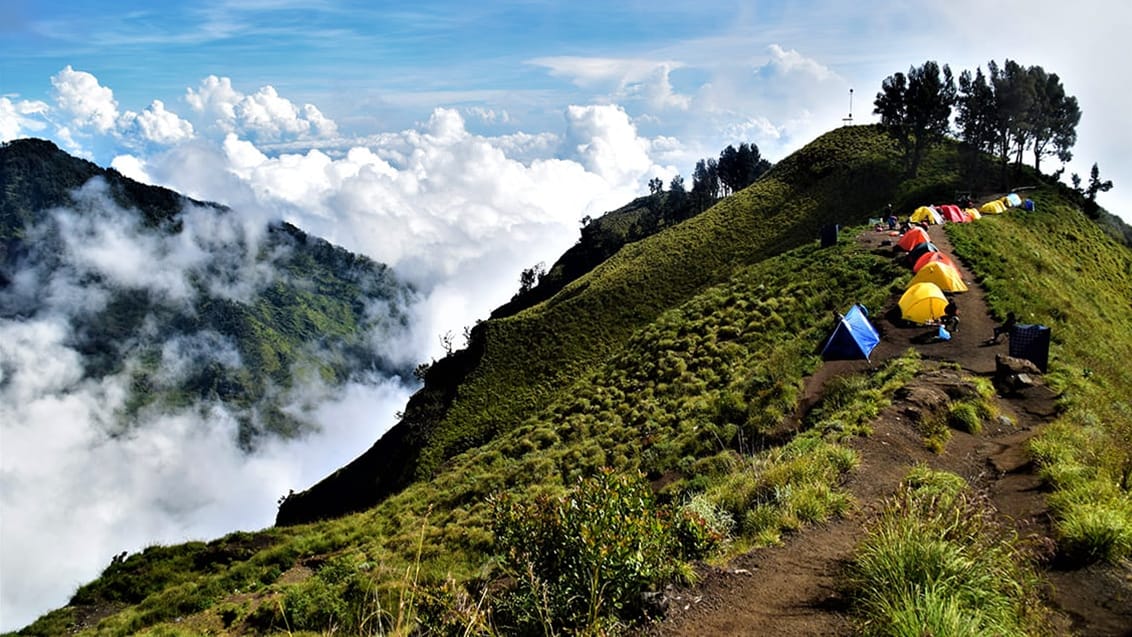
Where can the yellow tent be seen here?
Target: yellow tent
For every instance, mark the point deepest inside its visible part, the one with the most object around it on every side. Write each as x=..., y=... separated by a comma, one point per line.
x=922, y=302
x=975, y=216
x=924, y=213
x=944, y=276
x=992, y=208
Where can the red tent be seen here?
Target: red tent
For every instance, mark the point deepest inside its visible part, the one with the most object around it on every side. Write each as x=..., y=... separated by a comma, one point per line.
x=912, y=238
x=931, y=257
x=953, y=214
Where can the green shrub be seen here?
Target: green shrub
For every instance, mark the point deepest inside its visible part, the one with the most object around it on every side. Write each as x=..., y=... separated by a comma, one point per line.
x=1094, y=531
x=584, y=559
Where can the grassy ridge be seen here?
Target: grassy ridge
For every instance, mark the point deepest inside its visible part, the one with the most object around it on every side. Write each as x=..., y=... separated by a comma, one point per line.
x=698, y=379
x=532, y=353
x=1055, y=267
x=673, y=359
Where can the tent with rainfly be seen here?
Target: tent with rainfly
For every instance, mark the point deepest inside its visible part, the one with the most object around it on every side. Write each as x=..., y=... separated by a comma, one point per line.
x=922, y=302
x=992, y=208
x=973, y=213
x=853, y=338
x=920, y=250
x=931, y=257
x=946, y=277
x=913, y=238
x=1013, y=200
x=953, y=214
x=925, y=214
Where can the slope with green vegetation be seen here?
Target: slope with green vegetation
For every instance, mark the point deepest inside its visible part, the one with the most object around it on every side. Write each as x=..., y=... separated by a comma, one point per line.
x=1055, y=267
x=293, y=307
x=675, y=362
x=518, y=365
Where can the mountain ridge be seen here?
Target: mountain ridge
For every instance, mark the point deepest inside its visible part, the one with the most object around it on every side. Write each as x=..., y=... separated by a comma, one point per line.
x=285, y=301
x=690, y=386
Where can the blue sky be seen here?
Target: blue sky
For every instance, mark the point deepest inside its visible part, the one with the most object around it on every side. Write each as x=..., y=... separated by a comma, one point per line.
x=458, y=142
x=374, y=67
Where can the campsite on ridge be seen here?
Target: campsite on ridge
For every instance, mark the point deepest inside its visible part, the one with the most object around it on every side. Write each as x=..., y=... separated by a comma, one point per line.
x=727, y=428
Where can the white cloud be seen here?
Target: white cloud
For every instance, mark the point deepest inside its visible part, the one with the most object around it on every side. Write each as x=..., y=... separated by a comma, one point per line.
x=14, y=118
x=624, y=79
x=489, y=115
x=158, y=125
x=604, y=140
x=88, y=103
x=167, y=475
x=785, y=62
x=173, y=477
x=263, y=115
x=458, y=213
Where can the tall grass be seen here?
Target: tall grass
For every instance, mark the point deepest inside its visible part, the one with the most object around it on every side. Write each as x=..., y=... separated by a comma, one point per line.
x=937, y=563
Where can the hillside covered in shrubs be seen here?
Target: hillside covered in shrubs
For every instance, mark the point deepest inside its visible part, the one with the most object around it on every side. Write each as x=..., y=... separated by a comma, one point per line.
x=587, y=450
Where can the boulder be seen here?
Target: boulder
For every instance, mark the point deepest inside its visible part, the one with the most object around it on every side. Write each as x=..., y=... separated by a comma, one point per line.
x=1014, y=374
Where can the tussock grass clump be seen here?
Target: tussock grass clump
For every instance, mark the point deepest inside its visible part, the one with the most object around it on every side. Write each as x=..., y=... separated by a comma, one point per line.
x=851, y=402
x=937, y=563
x=784, y=488
x=965, y=416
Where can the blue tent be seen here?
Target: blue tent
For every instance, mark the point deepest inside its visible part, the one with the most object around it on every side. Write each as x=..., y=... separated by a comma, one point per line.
x=854, y=337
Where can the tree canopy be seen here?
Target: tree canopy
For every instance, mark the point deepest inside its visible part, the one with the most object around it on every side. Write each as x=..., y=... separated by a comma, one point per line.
x=915, y=109
x=1015, y=109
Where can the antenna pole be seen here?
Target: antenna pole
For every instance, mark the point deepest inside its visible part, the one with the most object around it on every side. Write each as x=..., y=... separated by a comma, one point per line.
x=849, y=120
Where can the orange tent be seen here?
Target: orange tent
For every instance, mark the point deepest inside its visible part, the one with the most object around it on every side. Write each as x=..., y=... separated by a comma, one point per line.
x=932, y=257
x=912, y=238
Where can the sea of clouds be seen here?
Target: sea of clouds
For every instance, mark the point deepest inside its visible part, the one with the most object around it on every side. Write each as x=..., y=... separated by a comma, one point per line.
x=456, y=214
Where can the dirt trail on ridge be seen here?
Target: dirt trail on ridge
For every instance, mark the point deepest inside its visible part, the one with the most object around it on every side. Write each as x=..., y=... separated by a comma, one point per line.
x=793, y=589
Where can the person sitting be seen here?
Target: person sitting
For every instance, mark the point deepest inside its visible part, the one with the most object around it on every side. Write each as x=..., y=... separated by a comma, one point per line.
x=1005, y=327
x=950, y=319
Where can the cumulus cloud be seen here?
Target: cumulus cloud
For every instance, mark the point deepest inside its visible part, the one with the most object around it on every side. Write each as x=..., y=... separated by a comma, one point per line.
x=158, y=125
x=489, y=115
x=604, y=140
x=263, y=115
x=459, y=214
x=88, y=108
x=88, y=103
x=18, y=119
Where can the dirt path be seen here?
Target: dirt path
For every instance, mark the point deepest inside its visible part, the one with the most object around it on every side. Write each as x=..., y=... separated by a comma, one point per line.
x=792, y=589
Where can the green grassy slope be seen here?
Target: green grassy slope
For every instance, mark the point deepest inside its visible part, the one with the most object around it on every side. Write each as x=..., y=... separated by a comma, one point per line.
x=676, y=358
x=529, y=359
x=1058, y=268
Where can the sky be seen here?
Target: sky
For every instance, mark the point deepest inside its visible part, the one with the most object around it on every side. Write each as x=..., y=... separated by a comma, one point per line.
x=459, y=143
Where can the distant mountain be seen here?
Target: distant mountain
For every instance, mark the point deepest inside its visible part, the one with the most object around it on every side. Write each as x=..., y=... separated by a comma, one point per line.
x=183, y=300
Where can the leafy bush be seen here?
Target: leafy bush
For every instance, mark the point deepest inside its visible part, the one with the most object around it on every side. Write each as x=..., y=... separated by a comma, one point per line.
x=585, y=558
